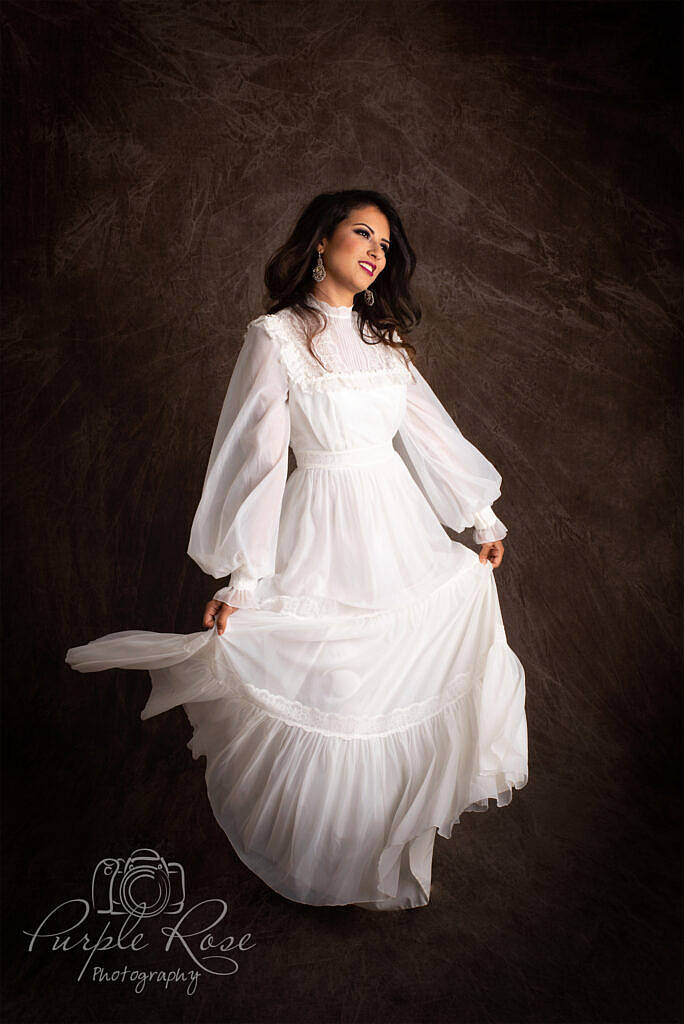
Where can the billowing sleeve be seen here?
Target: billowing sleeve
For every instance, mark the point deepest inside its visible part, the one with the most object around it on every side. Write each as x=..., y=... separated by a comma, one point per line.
x=235, y=529
x=458, y=481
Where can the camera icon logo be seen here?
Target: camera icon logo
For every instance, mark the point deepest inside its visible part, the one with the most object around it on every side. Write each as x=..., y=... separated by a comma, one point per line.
x=144, y=885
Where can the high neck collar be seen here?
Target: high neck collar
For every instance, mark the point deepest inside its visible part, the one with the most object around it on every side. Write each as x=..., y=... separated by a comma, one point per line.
x=339, y=312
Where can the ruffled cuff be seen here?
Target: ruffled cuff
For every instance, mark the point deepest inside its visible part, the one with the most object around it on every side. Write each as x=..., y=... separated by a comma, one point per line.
x=487, y=527
x=241, y=591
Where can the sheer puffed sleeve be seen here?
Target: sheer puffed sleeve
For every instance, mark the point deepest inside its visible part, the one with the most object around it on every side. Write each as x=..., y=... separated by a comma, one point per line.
x=235, y=529
x=457, y=480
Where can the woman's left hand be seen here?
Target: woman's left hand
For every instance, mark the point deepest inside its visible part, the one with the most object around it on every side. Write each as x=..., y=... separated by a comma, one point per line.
x=492, y=552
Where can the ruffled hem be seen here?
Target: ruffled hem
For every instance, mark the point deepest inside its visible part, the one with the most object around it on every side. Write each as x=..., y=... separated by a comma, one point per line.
x=306, y=814
x=325, y=817
x=238, y=597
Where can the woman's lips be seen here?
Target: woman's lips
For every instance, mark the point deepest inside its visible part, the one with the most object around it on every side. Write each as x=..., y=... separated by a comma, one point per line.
x=367, y=268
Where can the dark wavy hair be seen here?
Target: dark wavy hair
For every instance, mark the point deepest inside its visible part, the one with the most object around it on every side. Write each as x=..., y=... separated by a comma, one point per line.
x=288, y=272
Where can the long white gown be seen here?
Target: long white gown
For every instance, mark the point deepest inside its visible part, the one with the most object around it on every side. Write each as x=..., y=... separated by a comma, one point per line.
x=364, y=694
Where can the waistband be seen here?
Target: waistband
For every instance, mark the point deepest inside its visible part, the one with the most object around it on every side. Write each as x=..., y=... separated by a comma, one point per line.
x=323, y=458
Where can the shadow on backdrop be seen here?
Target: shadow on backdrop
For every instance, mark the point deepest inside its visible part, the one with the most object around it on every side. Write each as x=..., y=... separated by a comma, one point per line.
x=154, y=154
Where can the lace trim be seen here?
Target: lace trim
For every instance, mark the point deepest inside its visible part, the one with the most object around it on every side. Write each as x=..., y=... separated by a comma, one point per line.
x=293, y=712
x=307, y=607
x=308, y=375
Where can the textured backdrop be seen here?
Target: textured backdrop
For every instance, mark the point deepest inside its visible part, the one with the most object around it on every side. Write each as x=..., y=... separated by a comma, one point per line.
x=155, y=154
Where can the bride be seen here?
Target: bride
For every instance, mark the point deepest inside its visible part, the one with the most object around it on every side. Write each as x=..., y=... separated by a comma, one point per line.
x=353, y=690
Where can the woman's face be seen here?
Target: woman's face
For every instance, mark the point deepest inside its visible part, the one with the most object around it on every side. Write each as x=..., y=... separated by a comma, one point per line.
x=356, y=252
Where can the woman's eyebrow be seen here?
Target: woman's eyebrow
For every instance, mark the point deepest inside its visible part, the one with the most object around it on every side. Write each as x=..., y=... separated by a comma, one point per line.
x=371, y=230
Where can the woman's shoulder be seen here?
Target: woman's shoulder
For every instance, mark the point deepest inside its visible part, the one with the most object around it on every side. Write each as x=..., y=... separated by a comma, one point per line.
x=279, y=326
x=284, y=330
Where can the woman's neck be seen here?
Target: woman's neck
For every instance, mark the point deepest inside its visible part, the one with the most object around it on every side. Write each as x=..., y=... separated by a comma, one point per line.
x=333, y=296
x=334, y=312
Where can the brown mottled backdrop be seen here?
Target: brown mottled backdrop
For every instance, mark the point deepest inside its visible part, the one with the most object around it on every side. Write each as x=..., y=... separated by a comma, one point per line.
x=155, y=154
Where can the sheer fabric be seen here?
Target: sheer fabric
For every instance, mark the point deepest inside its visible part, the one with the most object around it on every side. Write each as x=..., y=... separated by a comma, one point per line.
x=456, y=478
x=235, y=529
x=364, y=694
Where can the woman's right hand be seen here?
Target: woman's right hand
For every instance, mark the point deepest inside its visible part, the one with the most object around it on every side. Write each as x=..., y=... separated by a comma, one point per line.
x=217, y=612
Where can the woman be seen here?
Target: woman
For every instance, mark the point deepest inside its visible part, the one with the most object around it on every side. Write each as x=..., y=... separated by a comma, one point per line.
x=355, y=692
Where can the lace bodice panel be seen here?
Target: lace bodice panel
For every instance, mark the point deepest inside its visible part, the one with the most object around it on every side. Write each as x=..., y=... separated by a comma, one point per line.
x=348, y=360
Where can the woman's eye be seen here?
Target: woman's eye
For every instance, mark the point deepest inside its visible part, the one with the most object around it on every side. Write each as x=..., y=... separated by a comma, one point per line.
x=362, y=231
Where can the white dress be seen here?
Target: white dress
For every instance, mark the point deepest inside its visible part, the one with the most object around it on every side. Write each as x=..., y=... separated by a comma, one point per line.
x=364, y=694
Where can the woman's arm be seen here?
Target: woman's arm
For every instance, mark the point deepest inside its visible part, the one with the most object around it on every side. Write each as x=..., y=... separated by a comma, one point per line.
x=457, y=480
x=235, y=529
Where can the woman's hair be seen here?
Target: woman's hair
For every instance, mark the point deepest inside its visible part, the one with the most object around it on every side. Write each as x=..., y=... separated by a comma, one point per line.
x=288, y=275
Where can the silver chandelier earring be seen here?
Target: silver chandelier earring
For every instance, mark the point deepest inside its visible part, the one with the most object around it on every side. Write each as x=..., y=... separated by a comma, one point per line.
x=369, y=297
x=318, y=272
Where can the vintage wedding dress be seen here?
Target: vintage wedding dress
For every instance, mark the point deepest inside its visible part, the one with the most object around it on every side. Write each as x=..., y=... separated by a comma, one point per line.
x=364, y=694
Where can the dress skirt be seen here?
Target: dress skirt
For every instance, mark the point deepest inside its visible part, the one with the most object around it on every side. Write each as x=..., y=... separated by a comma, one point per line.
x=336, y=747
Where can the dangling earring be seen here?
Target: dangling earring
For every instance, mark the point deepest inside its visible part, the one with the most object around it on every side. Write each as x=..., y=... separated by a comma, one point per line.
x=369, y=297
x=318, y=272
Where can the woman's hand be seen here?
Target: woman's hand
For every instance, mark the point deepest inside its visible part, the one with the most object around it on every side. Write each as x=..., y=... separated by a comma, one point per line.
x=492, y=552
x=218, y=612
